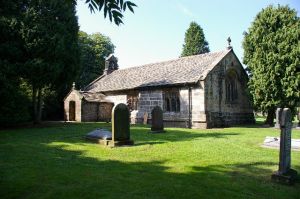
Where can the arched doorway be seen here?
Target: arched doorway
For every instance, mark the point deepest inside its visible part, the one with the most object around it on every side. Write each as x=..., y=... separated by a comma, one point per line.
x=72, y=111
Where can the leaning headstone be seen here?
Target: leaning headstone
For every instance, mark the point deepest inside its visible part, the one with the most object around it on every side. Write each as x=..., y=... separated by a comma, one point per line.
x=145, y=118
x=157, y=120
x=285, y=174
x=120, y=126
x=278, y=112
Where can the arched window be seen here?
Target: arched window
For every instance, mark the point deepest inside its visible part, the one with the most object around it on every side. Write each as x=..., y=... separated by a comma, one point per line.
x=231, y=86
x=171, y=101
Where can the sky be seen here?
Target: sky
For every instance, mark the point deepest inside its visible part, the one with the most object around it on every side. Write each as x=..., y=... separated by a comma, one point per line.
x=156, y=30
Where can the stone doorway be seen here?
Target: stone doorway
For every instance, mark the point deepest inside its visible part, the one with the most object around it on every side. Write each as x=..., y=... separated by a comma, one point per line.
x=72, y=111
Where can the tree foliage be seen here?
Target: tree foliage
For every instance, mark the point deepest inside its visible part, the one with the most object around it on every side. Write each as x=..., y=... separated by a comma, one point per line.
x=114, y=9
x=272, y=55
x=39, y=46
x=194, y=41
x=93, y=49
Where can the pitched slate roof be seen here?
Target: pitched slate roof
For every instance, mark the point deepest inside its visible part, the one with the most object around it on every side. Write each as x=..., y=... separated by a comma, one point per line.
x=184, y=70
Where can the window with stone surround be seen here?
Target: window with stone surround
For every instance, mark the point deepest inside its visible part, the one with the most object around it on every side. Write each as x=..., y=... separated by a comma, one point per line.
x=231, y=86
x=132, y=101
x=171, y=101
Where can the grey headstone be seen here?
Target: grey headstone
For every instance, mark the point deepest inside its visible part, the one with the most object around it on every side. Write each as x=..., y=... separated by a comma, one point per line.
x=285, y=141
x=120, y=123
x=285, y=174
x=277, y=117
x=157, y=119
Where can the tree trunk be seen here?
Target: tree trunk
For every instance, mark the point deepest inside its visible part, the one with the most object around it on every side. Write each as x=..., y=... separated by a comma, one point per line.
x=37, y=105
x=34, y=103
x=270, y=117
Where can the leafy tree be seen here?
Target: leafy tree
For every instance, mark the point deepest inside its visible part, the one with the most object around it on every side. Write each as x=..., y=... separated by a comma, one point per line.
x=112, y=8
x=272, y=55
x=13, y=99
x=93, y=49
x=48, y=30
x=194, y=41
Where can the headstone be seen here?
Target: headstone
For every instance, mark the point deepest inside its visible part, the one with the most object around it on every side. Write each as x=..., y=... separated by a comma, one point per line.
x=157, y=120
x=285, y=174
x=120, y=134
x=145, y=118
x=120, y=126
x=278, y=112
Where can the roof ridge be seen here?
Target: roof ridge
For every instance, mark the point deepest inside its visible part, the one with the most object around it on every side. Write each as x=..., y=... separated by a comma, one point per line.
x=161, y=62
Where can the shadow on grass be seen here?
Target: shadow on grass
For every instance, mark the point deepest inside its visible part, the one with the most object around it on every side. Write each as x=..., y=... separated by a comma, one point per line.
x=71, y=174
x=52, y=171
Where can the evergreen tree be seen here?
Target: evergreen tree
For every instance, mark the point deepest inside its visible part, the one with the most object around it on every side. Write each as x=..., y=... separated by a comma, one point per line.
x=194, y=41
x=272, y=55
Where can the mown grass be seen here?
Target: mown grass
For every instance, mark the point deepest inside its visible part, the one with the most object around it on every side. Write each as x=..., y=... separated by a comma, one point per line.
x=56, y=162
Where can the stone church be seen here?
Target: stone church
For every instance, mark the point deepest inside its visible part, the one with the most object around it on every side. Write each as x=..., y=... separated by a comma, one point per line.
x=201, y=91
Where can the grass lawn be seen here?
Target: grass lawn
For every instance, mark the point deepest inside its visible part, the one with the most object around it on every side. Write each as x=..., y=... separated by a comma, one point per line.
x=56, y=162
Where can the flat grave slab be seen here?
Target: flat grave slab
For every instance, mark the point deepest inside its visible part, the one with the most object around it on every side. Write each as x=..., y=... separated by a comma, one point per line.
x=274, y=142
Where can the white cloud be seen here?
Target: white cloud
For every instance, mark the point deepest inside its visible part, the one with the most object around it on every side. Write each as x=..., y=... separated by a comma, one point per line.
x=185, y=10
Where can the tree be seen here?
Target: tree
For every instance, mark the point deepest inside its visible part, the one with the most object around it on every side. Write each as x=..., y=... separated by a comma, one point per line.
x=272, y=55
x=93, y=49
x=113, y=8
x=194, y=41
x=48, y=31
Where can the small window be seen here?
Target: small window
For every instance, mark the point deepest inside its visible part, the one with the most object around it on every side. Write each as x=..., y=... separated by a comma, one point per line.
x=171, y=101
x=231, y=86
x=132, y=102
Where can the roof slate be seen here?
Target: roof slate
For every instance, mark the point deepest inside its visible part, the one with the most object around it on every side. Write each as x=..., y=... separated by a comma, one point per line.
x=183, y=70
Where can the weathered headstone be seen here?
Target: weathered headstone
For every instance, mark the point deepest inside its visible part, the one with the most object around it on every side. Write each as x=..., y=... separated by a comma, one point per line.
x=278, y=113
x=145, y=118
x=120, y=134
x=285, y=174
x=120, y=126
x=157, y=120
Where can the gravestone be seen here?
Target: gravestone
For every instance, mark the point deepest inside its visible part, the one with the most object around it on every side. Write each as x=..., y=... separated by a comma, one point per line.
x=120, y=126
x=157, y=125
x=278, y=112
x=145, y=118
x=101, y=136
x=285, y=174
x=120, y=134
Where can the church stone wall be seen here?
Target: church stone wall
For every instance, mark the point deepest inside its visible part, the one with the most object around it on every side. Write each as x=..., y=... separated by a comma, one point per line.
x=219, y=112
x=89, y=111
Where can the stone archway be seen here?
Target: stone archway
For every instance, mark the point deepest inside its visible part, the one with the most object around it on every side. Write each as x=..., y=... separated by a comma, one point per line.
x=72, y=111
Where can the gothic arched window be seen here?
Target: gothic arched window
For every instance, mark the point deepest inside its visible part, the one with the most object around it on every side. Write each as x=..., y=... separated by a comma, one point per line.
x=231, y=86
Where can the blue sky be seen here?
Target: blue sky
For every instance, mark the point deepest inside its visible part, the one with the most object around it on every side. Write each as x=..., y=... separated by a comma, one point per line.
x=155, y=32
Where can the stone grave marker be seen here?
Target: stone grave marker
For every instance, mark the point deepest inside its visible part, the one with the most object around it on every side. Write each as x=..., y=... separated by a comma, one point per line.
x=157, y=125
x=120, y=126
x=145, y=121
x=120, y=134
x=285, y=174
x=278, y=112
